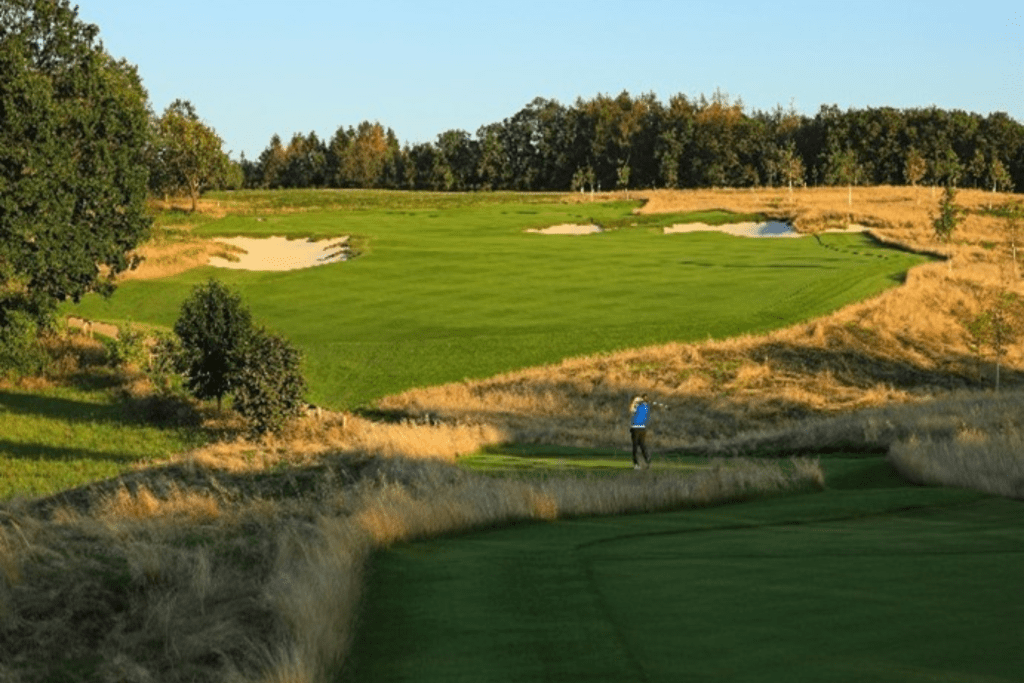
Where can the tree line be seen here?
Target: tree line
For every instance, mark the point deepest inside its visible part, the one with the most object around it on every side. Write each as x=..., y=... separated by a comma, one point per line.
x=622, y=142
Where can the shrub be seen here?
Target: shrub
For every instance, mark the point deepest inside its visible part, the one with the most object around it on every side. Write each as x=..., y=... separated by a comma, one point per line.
x=213, y=327
x=20, y=351
x=220, y=353
x=128, y=348
x=269, y=387
x=165, y=357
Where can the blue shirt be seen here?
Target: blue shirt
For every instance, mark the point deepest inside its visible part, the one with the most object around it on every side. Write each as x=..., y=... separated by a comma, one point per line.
x=640, y=416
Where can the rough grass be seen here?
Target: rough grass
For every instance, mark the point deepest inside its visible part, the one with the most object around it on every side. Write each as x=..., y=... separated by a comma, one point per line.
x=982, y=460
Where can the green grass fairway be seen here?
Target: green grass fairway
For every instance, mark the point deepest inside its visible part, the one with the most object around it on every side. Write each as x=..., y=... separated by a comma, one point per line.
x=541, y=460
x=870, y=580
x=461, y=291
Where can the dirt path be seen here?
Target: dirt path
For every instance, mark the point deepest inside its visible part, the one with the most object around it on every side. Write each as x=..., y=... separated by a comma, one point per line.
x=91, y=327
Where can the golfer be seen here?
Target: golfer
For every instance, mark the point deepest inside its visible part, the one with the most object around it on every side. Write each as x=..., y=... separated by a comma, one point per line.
x=639, y=411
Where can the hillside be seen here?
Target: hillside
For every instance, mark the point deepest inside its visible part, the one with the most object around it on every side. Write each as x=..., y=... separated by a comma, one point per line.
x=906, y=345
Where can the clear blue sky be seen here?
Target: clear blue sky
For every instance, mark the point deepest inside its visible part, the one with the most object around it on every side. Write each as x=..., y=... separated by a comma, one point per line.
x=254, y=68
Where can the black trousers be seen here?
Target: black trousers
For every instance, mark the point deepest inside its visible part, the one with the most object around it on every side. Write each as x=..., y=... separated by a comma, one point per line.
x=639, y=437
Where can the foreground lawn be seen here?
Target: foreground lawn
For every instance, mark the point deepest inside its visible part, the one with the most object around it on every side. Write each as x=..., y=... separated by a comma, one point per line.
x=459, y=290
x=58, y=438
x=869, y=580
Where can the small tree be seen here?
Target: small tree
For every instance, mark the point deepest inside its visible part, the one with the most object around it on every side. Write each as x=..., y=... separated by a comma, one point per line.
x=950, y=215
x=844, y=169
x=222, y=353
x=999, y=176
x=995, y=327
x=1012, y=227
x=914, y=168
x=213, y=326
x=269, y=388
x=623, y=174
x=188, y=156
x=792, y=167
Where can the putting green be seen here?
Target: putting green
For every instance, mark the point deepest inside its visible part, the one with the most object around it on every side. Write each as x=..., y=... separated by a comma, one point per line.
x=869, y=580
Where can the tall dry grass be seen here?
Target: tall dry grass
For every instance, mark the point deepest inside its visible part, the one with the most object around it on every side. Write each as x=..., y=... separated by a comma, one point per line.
x=992, y=463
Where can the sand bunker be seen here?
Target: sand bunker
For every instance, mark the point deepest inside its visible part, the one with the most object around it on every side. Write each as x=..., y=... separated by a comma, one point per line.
x=281, y=253
x=769, y=229
x=568, y=229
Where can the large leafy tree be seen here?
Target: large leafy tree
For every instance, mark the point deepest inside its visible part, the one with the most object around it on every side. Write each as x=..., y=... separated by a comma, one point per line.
x=188, y=153
x=74, y=125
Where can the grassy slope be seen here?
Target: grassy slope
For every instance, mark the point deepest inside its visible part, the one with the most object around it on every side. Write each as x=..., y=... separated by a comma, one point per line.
x=449, y=293
x=871, y=579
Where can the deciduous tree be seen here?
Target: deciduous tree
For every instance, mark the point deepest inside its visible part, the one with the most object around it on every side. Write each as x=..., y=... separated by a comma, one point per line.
x=189, y=155
x=949, y=216
x=995, y=327
x=74, y=126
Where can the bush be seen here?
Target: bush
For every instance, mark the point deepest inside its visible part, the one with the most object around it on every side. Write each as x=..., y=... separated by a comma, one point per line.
x=128, y=348
x=213, y=327
x=20, y=351
x=269, y=388
x=221, y=352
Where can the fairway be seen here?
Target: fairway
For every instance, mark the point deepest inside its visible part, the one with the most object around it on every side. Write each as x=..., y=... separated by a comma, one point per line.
x=441, y=295
x=868, y=580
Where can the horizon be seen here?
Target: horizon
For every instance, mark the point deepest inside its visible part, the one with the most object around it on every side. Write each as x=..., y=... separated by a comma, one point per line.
x=425, y=68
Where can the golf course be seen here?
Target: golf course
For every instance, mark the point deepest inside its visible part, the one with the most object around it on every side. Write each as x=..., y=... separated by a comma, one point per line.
x=466, y=508
x=463, y=343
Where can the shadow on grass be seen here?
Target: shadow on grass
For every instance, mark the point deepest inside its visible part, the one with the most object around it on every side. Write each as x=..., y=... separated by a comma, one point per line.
x=59, y=408
x=862, y=367
x=33, y=451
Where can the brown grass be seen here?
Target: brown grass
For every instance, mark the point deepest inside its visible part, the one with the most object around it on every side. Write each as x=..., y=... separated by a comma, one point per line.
x=171, y=258
x=993, y=463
